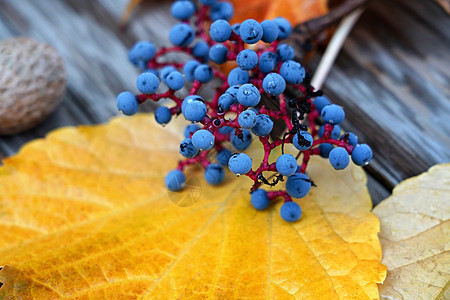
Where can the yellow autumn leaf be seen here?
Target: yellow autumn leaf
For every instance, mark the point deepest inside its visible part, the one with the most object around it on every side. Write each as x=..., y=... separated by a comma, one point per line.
x=85, y=214
x=415, y=236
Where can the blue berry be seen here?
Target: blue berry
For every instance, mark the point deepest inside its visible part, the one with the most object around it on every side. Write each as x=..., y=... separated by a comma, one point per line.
x=292, y=72
x=284, y=28
x=248, y=95
x=259, y=199
x=298, y=185
x=325, y=149
x=247, y=59
x=362, y=154
x=223, y=156
x=225, y=101
x=175, y=180
x=203, y=73
x=226, y=129
x=187, y=149
x=263, y=126
x=218, y=53
x=240, y=163
x=333, y=114
x=127, y=103
x=290, y=211
x=238, y=76
x=286, y=164
x=165, y=72
x=222, y=10
x=188, y=100
x=274, y=84
x=203, y=139
x=270, y=31
x=163, y=115
x=181, y=35
x=189, y=69
x=194, y=109
x=220, y=31
x=352, y=138
x=320, y=102
x=267, y=62
x=191, y=128
x=201, y=50
x=236, y=28
x=208, y=2
x=305, y=143
x=141, y=52
x=285, y=52
x=147, y=83
x=233, y=89
x=335, y=133
x=241, y=144
x=182, y=10
x=251, y=32
x=214, y=174
x=175, y=80
x=339, y=158
x=247, y=119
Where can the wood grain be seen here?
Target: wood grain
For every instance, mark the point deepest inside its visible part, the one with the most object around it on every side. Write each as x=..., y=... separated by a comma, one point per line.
x=392, y=75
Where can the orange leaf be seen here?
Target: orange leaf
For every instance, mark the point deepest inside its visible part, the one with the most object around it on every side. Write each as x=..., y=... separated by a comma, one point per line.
x=84, y=214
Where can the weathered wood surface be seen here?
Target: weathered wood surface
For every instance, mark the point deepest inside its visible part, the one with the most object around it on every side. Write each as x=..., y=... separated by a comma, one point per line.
x=392, y=76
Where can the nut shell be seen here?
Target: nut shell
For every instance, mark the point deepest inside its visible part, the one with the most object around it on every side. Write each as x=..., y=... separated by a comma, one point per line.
x=32, y=83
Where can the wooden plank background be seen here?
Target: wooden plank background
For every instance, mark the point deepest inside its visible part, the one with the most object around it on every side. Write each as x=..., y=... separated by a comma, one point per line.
x=392, y=77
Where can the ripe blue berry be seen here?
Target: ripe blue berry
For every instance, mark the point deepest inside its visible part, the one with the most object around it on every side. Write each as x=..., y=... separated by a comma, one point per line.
x=335, y=133
x=333, y=114
x=175, y=180
x=285, y=52
x=187, y=149
x=259, y=199
x=208, y=2
x=222, y=10
x=339, y=158
x=147, y=83
x=220, y=31
x=270, y=31
x=225, y=100
x=189, y=69
x=175, y=80
x=223, y=156
x=127, y=103
x=247, y=119
x=292, y=72
x=320, y=102
x=263, y=125
x=325, y=149
x=165, y=72
x=274, y=84
x=290, y=211
x=214, y=174
x=241, y=144
x=240, y=163
x=201, y=50
x=251, y=32
x=267, y=62
x=352, y=138
x=182, y=10
x=203, y=73
x=284, y=28
x=248, y=95
x=181, y=35
x=298, y=185
x=203, y=139
x=236, y=28
x=238, y=76
x=141, y=52
x=226, y=130
x=163, y=115
x=247, y=59
x=305, y=142
x=194, y=109
x=286, y=164
x=362, y=154
x=191, y=128
x=218, y=53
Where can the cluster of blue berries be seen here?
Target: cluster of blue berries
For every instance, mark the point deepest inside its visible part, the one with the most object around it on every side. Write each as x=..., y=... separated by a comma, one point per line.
x=227, y=123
